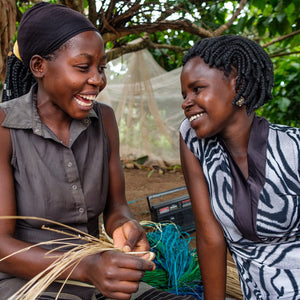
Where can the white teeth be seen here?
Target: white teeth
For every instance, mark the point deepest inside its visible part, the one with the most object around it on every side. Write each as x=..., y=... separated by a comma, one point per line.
x=82, y=103
x=88, y=97
x=192, y=118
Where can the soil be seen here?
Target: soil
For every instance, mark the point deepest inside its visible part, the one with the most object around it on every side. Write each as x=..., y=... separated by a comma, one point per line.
x=140, y=183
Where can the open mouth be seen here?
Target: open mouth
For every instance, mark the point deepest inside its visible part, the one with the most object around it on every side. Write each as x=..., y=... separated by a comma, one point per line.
x=84, y=101
x=194, y=117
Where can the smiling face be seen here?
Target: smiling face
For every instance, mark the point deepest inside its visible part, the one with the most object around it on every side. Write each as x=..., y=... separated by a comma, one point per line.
x=75, y=75
x=208, y=96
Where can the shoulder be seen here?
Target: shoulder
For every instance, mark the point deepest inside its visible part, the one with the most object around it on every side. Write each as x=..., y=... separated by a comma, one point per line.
x=284, y=146
x=105, y=109
x=18, y=112
x=109, y=121
x=5, y=137
x=200, y=147
x=284, y=129
x=187, y=132
x=282, y=133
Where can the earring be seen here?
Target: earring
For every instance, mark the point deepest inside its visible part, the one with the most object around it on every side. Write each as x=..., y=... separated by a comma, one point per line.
x=240, y=102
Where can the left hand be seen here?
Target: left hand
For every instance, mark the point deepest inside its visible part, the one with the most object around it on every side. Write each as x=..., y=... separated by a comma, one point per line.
x=131, y=237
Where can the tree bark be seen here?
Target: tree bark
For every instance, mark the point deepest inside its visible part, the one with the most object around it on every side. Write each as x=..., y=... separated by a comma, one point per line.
x=8, y=14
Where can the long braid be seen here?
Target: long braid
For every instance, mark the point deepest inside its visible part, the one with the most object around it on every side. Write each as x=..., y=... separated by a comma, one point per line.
x=18, y=80
x=255, y=77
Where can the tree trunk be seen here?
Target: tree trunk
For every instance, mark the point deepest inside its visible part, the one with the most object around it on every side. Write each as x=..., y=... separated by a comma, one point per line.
x=7, y=31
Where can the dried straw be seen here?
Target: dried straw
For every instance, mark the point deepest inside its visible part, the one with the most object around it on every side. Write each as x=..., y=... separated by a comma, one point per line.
x=67, y=261
x=233, y=287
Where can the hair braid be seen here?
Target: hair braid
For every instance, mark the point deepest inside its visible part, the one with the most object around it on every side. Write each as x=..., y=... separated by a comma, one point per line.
x=253, y=65
x=18, y=79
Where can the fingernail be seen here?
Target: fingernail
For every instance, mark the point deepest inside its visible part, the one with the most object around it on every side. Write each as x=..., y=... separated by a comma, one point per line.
x=126, y=248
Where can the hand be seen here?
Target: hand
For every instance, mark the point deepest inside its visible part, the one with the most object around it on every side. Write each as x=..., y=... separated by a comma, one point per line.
x=116, y=275
x=131, y=237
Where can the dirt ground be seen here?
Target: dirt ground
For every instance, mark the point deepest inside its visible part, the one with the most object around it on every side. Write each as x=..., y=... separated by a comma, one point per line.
x=140, y=183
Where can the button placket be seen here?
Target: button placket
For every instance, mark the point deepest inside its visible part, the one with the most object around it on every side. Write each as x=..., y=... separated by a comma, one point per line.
x=73, y=178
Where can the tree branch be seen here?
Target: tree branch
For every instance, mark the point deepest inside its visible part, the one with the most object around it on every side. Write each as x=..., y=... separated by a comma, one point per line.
x=281, y=38
x=130, y=47
x=120, y=20
x=184, y=25
x=284, y=54
x=225, y=26
x=92, y=11
x=140, y=44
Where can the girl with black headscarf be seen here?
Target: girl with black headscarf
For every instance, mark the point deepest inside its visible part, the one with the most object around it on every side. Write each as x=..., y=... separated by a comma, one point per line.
x=59, y=159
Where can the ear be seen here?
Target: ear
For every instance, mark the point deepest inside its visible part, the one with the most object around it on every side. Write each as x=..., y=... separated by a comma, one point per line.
x=37, y=66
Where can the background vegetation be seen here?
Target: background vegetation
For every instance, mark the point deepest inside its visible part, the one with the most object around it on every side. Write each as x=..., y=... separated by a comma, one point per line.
x=168, y=28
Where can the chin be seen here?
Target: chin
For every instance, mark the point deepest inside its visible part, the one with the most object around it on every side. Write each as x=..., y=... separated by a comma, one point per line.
x=203, y=135
x=80, y=116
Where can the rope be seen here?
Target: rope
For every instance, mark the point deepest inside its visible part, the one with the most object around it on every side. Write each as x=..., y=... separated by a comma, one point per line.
x=177, y=269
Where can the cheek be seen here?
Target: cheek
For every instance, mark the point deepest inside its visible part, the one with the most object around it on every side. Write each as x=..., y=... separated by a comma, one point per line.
x=104, y=80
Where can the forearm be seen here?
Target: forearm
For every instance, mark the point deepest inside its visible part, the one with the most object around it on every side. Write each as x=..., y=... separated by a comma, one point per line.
x=212, y=260
x=27, y=260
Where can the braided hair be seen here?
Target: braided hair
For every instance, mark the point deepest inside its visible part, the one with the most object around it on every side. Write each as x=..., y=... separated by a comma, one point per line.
x=254, y=67
x=18, y=79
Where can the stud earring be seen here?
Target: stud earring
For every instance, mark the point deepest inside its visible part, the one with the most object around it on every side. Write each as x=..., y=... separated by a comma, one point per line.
x=240, y=102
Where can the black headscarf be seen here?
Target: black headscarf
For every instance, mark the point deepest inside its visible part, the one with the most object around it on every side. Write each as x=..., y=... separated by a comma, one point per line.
x=46, y=26
x=43, y=29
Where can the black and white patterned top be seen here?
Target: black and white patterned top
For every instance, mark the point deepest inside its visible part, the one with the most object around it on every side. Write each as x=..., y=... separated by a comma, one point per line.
x=260, y=215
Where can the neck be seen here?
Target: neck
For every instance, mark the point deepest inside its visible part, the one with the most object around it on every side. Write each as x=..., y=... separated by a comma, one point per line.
x=55, y=119
x=237, y=137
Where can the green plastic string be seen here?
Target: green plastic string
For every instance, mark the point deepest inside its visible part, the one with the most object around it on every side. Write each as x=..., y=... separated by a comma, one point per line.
x=177, y=268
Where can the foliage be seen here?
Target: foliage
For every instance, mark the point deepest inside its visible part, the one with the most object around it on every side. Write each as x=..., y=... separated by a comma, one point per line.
x=169, y=27
x=285, y=106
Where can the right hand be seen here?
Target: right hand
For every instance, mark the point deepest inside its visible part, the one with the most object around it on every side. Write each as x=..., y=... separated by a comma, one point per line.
x=116, y=275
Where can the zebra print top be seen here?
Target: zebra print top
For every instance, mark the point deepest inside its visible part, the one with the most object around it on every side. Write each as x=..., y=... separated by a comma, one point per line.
x=269, y=266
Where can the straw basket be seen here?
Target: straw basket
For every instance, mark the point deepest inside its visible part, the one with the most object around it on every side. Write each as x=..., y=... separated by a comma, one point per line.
x=233, y=287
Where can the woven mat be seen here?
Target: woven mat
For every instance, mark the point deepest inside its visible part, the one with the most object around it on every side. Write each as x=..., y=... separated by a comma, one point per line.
x=233, y=287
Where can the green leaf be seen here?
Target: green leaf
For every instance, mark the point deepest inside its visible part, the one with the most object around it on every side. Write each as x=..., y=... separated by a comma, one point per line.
x=284, y=103
x=268, y=10
x=259, y=3
x=280, y=17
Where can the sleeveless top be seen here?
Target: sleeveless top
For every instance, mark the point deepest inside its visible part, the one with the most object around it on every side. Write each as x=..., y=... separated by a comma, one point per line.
x=266, y=247
x=67, y=184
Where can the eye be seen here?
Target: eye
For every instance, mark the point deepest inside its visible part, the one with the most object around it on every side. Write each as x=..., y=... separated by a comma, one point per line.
x=198, y=89
x=83, y=68
x=102, y=68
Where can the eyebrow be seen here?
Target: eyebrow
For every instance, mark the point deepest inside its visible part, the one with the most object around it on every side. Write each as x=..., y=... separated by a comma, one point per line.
x=104, y=57
x=196, y=82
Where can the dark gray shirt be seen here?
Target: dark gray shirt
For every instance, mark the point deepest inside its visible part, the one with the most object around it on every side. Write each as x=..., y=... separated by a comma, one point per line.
x=68, y=184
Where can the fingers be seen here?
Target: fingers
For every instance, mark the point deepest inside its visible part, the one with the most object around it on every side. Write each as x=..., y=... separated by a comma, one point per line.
x=131, y=237
x=134, y=262
x=117, y=275
x=121, y=290
x=148, y=255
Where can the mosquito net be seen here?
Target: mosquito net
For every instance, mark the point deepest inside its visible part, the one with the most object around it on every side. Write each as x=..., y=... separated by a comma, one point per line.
x=147, y=103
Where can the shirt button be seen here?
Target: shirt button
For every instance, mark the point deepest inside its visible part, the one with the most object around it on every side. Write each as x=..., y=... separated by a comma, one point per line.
x=70, y=164
x=74, y=187
x=81, y=210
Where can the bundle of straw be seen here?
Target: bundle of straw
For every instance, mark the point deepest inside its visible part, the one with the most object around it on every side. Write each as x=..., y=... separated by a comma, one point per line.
x=233, y=287
x=68, y=260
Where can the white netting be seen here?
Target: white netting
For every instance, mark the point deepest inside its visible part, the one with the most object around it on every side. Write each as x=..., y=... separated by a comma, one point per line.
x=147, y=103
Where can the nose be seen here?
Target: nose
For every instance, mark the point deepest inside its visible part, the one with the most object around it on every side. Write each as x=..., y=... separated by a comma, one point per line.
x=97, y=79
x=187, y=102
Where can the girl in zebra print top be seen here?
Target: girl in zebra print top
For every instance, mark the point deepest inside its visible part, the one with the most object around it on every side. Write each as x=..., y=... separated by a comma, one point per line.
x=242, y=172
